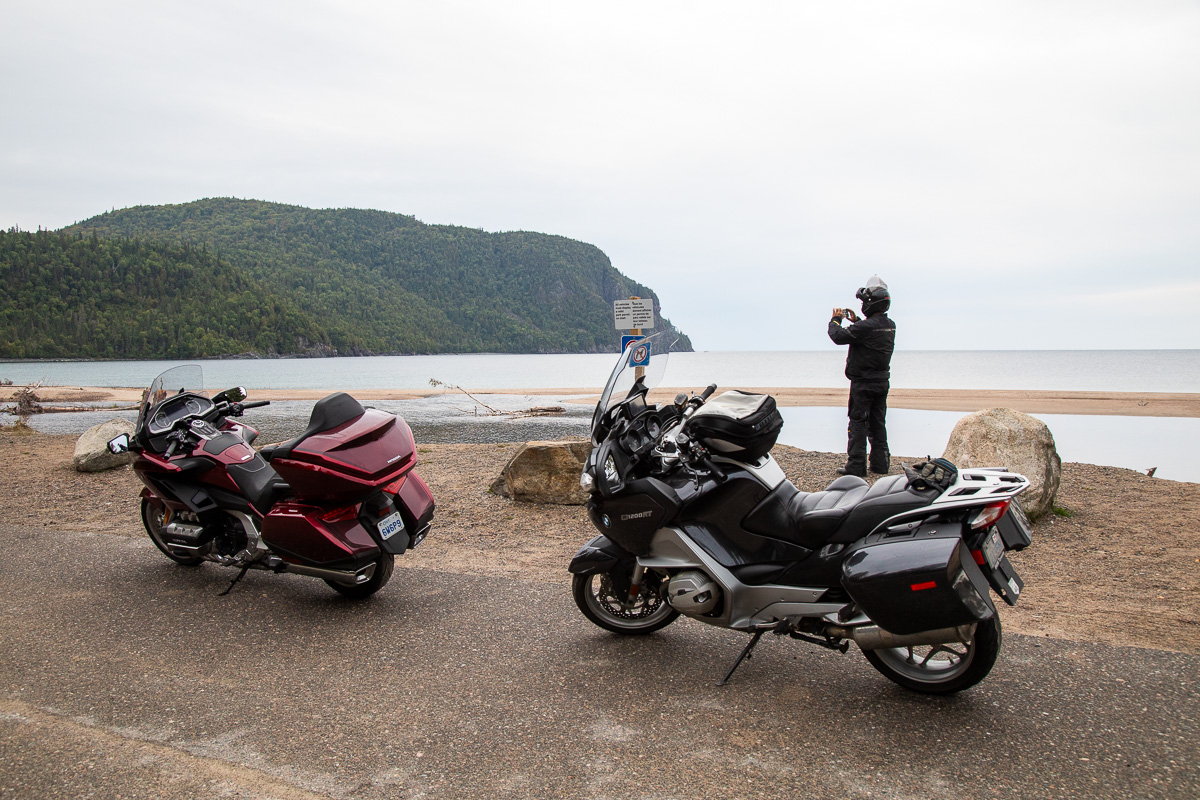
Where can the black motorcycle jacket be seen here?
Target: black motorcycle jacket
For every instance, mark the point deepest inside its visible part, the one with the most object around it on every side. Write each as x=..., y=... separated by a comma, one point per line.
x=871, y=341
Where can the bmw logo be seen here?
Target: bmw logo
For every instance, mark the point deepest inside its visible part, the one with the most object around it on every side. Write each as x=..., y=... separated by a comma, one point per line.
x=607, y=522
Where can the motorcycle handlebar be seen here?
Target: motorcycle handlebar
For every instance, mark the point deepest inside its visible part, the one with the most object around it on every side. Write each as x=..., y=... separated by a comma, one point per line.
x=256, y=404
x=707, y=393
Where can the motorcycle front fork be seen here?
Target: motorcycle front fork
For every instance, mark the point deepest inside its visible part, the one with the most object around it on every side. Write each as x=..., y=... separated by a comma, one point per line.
x=635, y=585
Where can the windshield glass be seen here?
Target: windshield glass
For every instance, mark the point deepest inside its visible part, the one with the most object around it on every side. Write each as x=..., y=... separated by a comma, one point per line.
x=644, y=358
x=187, y=378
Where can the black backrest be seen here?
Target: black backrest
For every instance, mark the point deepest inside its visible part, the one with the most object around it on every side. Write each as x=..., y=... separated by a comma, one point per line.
x=329, y=412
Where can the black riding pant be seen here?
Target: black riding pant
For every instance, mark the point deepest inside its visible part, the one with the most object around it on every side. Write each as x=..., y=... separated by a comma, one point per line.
x=868, y=413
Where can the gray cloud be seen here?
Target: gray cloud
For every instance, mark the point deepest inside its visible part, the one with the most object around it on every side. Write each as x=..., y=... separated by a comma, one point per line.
x=1011, y=169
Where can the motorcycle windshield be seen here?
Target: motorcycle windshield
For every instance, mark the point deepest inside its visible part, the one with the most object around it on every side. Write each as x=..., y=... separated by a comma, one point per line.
x=644, y=358
x=176, y=380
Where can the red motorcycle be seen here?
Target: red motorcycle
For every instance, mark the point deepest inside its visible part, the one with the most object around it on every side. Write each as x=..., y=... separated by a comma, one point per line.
x=338, y=502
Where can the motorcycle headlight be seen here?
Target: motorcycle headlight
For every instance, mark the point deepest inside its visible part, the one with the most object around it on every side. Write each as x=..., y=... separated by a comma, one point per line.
x=586, y=481
x=610, y=471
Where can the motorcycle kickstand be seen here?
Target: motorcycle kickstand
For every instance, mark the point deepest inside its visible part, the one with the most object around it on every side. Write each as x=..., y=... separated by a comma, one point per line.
x=233, y=582
x=743, y=656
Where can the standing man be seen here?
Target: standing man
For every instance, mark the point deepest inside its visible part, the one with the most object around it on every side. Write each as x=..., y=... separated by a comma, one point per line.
x=868, y=366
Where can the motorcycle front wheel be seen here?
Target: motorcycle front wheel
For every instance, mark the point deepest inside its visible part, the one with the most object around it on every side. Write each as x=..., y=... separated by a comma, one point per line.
x=153, y=514
x=599, y=603
x=383, y=572
x=943, y=668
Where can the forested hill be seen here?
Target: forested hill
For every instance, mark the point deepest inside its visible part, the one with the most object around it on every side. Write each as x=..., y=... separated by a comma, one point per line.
x=223, y=276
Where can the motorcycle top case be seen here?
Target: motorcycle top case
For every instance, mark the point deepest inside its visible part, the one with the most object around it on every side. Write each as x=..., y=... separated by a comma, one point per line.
x=920, y=581
x=348, y=461
x=737, y=425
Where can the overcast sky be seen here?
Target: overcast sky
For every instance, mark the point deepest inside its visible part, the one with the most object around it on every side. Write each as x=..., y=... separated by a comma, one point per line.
x=1022, y=174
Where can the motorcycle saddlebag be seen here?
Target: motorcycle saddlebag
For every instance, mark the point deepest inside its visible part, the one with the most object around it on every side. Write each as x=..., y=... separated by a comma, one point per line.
x=919, y=581
x=737, y=425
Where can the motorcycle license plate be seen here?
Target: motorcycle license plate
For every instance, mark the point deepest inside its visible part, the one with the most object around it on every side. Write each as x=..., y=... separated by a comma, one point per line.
x=993, y=548
x=390, y=525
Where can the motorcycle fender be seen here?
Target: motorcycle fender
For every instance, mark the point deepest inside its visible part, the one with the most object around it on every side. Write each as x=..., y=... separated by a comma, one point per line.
x=380, y=506
x=1005, y=580
x=598, y=556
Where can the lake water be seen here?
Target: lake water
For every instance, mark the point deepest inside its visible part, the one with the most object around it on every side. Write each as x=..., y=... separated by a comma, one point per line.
x=1086, y=370
x=1133, y=442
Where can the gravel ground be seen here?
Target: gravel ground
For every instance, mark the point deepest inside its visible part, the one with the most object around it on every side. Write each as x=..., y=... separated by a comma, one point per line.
x=1120, y=565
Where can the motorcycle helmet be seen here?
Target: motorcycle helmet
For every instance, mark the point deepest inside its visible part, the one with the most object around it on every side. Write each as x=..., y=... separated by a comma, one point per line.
x=874, y=296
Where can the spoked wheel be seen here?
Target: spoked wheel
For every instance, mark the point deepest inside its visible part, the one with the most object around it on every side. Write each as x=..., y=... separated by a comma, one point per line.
x=596, y=599
x=941, y=668
x=383, y=572
x=153, y=514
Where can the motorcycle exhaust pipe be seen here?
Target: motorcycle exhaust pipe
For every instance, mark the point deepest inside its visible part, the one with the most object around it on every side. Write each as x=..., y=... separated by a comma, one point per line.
x=336, y=575
x=873, y=637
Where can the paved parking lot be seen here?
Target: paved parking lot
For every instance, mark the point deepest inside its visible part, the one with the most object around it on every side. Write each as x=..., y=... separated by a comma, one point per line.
x=125, y=676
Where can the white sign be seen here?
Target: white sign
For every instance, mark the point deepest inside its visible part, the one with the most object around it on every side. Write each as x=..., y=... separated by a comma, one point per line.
x=630, y=314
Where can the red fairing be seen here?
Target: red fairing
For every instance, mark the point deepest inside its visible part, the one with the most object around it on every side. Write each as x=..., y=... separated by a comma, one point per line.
x=350, y=460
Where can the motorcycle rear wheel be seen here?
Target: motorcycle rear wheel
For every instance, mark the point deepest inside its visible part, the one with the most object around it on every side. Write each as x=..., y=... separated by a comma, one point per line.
x=383, y=572
x=941, y=669
x=595, y=598
x=152, y=521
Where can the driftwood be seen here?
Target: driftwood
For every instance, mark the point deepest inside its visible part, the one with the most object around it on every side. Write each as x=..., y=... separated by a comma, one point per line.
x=28, y=403
x=536, y=411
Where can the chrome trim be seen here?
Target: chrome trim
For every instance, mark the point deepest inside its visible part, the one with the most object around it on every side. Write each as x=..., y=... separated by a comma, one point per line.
x=336, y=575
x=873, y=637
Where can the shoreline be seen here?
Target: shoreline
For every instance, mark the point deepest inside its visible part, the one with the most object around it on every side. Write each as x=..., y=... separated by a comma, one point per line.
x=1134, y=404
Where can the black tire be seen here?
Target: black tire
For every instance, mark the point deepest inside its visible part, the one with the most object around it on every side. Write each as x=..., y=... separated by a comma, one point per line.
x=593, y=594
x=941, y=669
x=152, y=520
x=383, y=572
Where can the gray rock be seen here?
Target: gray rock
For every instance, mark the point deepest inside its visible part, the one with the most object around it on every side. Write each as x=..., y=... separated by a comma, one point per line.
x=545, y=472
x=1003, y=437
x=91, y=451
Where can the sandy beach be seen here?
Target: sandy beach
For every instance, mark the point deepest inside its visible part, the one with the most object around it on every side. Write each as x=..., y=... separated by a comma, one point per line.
x=1136, y=404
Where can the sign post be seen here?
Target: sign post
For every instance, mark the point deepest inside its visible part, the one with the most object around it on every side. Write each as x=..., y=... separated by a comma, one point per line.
x=633, y=315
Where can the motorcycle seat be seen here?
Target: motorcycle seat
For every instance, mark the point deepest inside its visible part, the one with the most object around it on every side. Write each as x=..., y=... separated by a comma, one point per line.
x=844, y=511
x=886, y=498
x=261, y=485
x=814, y=517
x=328, y=413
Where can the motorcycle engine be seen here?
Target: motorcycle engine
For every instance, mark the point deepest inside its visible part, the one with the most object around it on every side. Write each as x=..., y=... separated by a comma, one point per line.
x=693, y=593
x=232, y=537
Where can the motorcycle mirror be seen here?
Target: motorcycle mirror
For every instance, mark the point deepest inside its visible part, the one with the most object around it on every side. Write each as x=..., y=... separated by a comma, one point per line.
x=119, y=444
x=235, y=395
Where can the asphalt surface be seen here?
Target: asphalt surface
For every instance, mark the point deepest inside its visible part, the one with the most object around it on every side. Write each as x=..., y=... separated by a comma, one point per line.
x=125, y=676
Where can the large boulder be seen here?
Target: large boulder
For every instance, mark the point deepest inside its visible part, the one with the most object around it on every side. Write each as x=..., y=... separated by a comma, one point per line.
x=1003, y=437
x=545, y=472
x=91, y=451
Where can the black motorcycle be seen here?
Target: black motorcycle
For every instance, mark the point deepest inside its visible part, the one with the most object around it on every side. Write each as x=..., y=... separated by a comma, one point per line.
x=697, y=518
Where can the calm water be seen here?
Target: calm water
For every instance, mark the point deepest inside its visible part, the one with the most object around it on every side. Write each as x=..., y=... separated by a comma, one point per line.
x=1132, y=442
x=1089, y=370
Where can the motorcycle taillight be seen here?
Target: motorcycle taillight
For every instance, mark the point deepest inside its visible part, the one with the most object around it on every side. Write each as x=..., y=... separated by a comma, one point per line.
x=989, y=514
x=343, y=514
x=394, y=486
